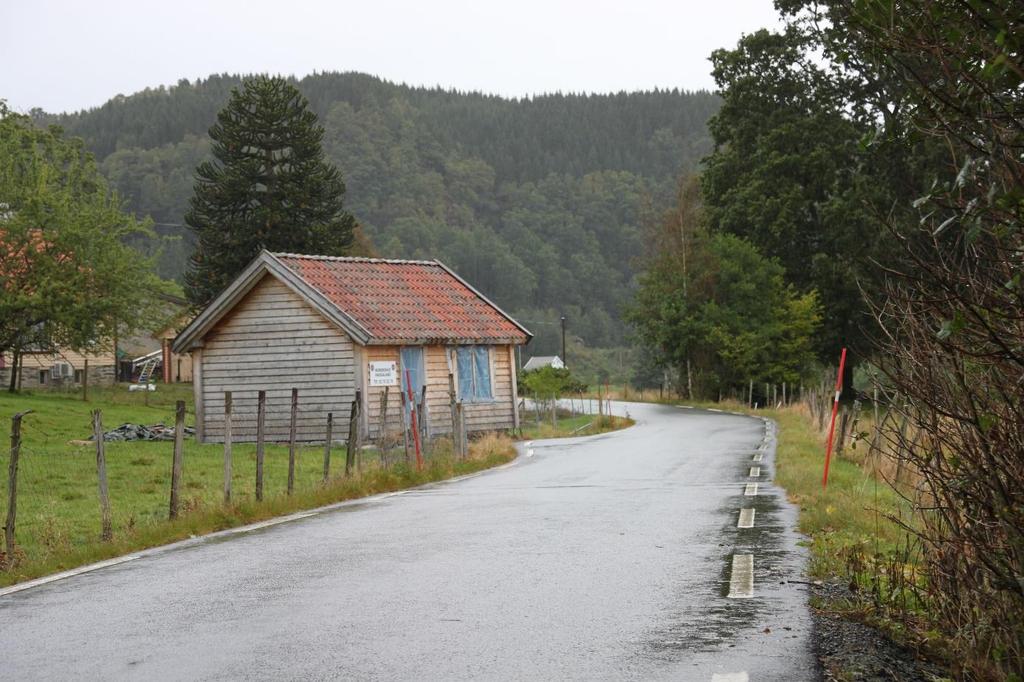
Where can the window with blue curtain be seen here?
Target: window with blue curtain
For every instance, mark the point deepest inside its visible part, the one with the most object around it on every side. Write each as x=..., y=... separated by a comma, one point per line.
x=474, y=366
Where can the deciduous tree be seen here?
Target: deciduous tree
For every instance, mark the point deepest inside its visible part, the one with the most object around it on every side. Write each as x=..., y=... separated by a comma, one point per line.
x=67, y=277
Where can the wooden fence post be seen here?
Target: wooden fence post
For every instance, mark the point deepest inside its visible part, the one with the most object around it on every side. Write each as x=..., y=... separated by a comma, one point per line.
x=353, y=436
x=85, y=380
x=261, y=418
x=291, y=440
x=107, y=532
x=179, y=455
x=382, y=428
x=844, y=418
x=458, y=428
x=405, y=425
x=463, y=437
x=227, y=447
x=456, y=442
x=423, y=420
x=12, y=485
x=750, y=394
x=327, y=446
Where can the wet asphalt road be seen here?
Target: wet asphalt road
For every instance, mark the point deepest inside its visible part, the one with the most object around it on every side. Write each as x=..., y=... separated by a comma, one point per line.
x=599, y=558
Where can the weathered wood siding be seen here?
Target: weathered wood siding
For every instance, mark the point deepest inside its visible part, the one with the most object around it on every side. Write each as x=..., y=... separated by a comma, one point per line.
x=373, y=394
x=497, y=414
x=493, y=415
x=274, y=341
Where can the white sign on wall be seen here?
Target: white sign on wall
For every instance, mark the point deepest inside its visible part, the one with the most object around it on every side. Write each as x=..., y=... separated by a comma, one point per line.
x=384, y=373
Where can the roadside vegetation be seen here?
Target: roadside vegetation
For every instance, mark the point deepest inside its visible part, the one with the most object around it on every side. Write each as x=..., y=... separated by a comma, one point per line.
x=536, y=427
x=59, y=524
x=560, y=406
x=868, y=172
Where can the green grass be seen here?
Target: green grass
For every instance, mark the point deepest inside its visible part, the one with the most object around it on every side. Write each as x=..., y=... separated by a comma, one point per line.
x=58, y=523
x=846, y=520
x=580, y=425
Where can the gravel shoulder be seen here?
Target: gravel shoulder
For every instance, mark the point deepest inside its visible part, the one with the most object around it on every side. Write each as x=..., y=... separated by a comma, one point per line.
x=850, y=650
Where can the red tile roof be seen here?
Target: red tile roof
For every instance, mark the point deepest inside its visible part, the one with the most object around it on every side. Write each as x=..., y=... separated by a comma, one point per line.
x=406, y=301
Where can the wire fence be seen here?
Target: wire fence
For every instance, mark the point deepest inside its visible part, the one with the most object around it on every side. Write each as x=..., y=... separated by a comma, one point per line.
x=65, y=488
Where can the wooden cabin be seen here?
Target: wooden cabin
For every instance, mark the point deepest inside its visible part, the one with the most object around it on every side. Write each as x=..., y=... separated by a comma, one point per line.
x=328, y=326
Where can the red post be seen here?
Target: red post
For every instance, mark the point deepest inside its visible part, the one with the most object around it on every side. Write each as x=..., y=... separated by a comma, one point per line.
x=415, y=428
x=832, y=423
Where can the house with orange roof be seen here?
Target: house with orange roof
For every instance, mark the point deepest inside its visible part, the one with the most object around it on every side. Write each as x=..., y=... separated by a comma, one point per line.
x=334, y=326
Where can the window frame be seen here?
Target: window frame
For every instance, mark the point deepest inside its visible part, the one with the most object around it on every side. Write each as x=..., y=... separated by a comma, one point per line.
x=472, y=349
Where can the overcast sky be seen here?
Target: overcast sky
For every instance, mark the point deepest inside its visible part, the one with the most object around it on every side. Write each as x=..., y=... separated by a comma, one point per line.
x=65, y=55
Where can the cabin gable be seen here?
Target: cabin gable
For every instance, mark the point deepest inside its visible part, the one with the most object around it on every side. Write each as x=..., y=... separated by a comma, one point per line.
x=274, y=340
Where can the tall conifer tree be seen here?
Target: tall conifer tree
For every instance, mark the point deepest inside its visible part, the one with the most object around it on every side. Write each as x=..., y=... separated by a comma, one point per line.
x=268, y=187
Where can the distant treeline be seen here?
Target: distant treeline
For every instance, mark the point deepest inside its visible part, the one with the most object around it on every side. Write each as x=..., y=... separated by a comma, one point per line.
x=540, y=202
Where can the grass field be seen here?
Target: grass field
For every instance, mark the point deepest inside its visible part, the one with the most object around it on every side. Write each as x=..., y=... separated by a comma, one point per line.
x=58, y=521
x=579, y=425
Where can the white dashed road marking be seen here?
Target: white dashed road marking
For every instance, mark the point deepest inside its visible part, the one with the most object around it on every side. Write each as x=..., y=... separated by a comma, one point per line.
x=750, y=490
x=730, y=677
x=746, y=518
x=741, y=583
x=758, y=457
x=755, y=472
x=529, y=453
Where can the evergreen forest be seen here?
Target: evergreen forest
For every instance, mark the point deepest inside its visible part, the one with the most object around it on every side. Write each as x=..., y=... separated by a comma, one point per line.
x=542, y=203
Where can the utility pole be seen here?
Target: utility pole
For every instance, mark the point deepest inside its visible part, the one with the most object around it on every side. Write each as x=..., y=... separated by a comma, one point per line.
x=565, y=360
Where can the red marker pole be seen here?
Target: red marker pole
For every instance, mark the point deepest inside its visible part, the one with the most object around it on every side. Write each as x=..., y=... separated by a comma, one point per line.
x=832, y=424
x=415, y=426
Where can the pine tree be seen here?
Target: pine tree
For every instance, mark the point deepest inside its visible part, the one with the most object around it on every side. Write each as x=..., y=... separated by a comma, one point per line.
x=268, y=187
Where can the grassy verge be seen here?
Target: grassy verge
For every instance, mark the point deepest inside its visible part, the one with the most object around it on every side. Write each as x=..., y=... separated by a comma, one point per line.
x=848, y=518
x=58, y=523
x=568, y=426
x=855, y=530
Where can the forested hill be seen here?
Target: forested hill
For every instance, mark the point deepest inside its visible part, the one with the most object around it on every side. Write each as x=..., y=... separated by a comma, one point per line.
x=540, y=202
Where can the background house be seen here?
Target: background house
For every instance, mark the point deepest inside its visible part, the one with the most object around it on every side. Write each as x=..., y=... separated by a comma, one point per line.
x=538, y=361
x=59, y=367
x=330, y=326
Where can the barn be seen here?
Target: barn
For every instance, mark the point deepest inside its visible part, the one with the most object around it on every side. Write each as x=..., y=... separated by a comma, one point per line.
x=328, y=326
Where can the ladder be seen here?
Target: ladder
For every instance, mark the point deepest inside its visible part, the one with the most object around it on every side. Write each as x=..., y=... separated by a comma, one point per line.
x=147, y=369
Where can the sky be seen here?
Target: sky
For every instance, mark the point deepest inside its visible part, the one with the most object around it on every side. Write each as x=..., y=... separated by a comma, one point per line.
x=66, y=55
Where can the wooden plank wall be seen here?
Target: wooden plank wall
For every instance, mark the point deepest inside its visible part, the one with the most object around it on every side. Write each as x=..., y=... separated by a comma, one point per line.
x=274, y=341
x=498, y=414
x=373, y=394
x=489, y=416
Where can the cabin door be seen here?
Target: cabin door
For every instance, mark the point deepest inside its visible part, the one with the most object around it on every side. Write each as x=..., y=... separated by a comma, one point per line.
x=412, y=362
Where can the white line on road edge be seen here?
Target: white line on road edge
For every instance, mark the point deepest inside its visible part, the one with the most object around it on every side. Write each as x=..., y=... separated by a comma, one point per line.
x=746, y=518
x=758, y=457
x=711, y=409
x=741, y=583
x=755, y=472
x=529, y=453
x=270, y=522
x=750, y=490
x=730, y=677
x=66, y=574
